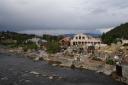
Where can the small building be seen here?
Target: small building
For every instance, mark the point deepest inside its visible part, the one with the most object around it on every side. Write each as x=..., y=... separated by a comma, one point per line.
x=124, y=41
x=39, y=42
x=85, y=40
x=2, y=38
x=65, y=41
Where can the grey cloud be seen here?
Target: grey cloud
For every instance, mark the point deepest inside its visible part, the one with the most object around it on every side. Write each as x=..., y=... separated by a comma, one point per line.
x=22, y=2
x=61, y=16
x=100, y=10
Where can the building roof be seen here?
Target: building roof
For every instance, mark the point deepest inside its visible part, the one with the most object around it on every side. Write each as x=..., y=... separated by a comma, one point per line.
x=66, y=39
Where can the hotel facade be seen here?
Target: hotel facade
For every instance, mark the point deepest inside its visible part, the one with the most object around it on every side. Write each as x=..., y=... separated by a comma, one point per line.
x=85, y=40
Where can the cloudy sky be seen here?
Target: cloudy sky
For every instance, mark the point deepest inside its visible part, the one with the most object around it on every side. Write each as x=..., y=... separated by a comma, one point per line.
x=62, y=16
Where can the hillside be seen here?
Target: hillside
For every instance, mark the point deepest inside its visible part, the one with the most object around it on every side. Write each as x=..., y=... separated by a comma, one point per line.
x=118, y=32
x=15, y=36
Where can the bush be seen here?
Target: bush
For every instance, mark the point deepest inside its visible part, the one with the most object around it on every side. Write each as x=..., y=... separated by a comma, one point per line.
x=53, y=47
x=32, y=46
x=29, y=45
x=111, y=62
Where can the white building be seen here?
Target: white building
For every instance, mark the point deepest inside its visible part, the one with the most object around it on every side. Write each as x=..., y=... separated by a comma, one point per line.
x=38, y=41
x=85, y=40
x=124, y=41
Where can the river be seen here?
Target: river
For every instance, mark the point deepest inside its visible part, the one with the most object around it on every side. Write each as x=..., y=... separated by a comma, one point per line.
x=18, y=70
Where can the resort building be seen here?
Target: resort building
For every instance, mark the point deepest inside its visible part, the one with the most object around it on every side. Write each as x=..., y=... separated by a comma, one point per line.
x=85, y=40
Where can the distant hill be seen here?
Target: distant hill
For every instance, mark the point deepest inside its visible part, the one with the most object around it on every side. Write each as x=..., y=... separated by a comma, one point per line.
x=120, y=32
x=15, y=36
x=91, y=34
x=94, y=35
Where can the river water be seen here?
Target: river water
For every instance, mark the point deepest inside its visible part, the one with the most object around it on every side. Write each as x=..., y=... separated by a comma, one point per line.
x=18, y=70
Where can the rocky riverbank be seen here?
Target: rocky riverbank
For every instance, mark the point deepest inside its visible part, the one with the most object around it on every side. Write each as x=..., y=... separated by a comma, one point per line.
x=17, y=70
x=64, y=61
x=61, y=60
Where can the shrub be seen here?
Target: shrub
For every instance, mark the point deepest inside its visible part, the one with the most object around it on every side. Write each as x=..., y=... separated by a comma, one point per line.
x=111, y=62
x=29, y=46
x=53, y=47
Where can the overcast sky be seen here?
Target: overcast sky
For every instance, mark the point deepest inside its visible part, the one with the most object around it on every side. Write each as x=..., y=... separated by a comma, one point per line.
x=62, y=16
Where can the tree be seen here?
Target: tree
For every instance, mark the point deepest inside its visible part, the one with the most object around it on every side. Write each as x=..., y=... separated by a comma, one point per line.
x=118, y=32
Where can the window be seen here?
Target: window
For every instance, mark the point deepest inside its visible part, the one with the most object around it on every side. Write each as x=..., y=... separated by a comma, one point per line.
x=99, y=42
x=74, y=43
x=79, y=37
x=83, y=37
x=82, y=43
x=79, y=42
x=95, y=43
x=76, y=37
